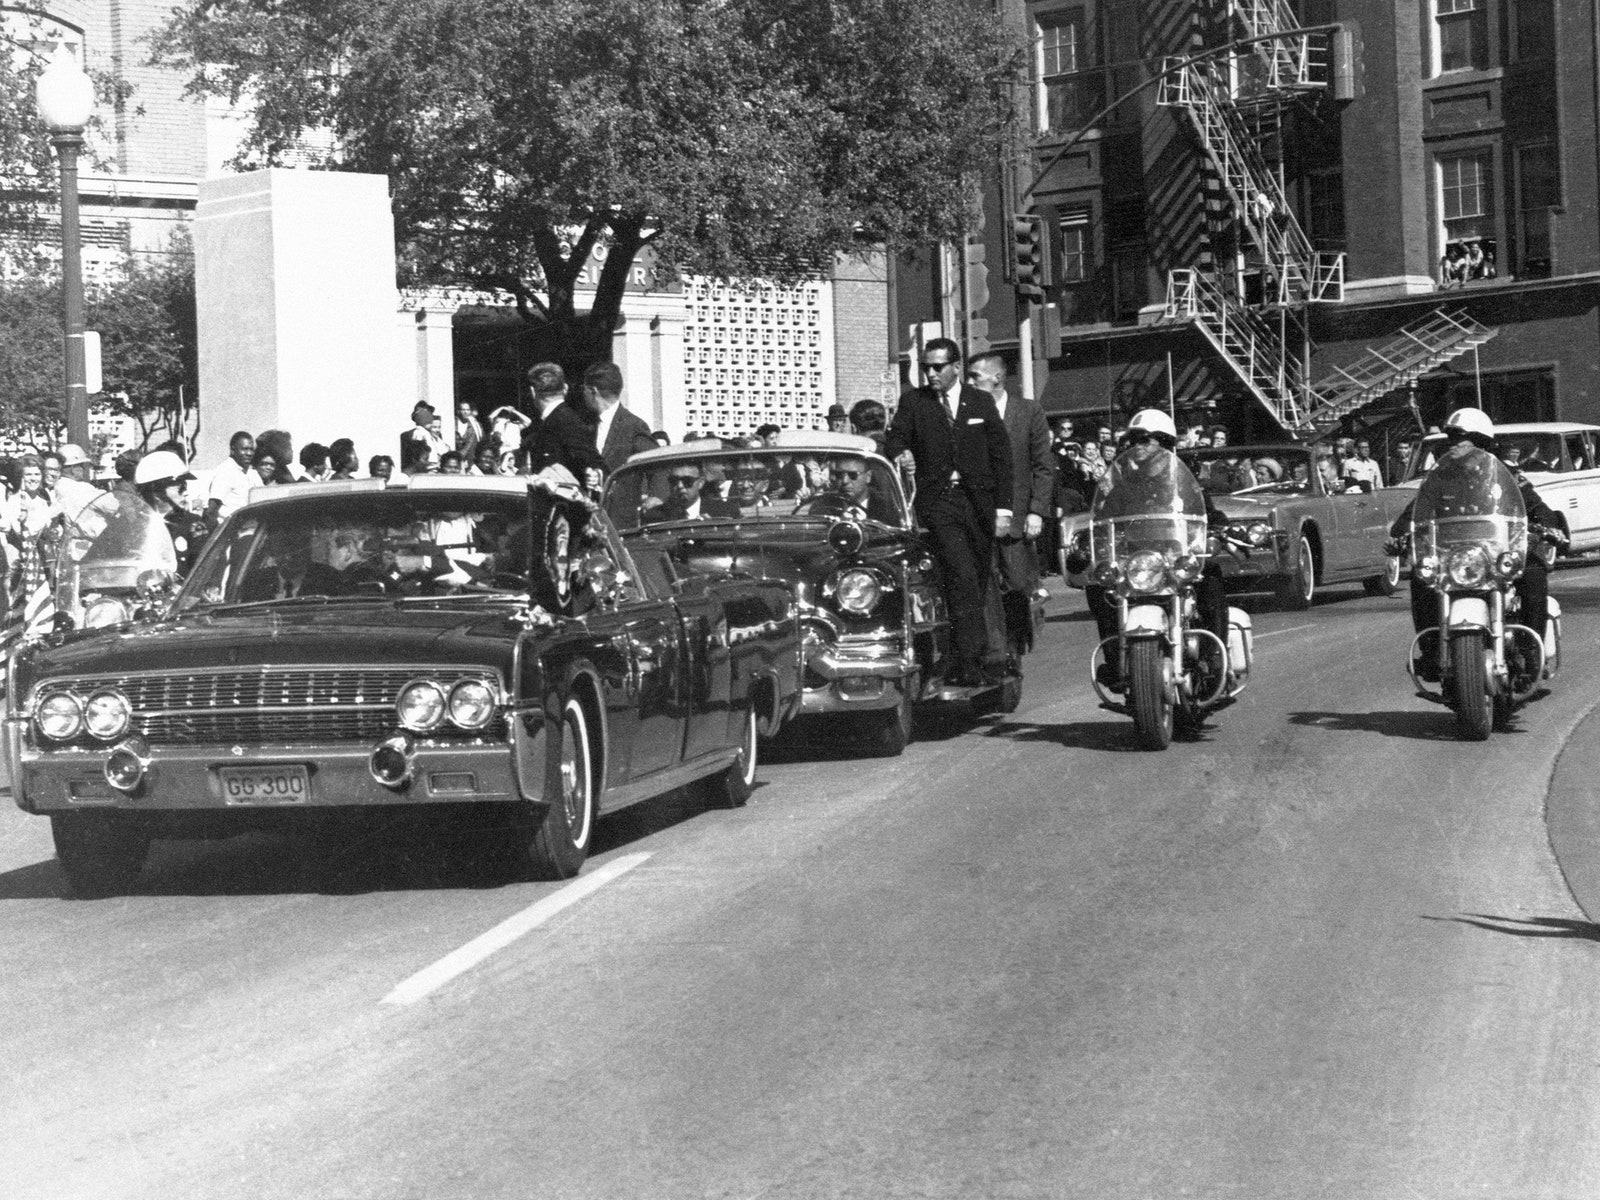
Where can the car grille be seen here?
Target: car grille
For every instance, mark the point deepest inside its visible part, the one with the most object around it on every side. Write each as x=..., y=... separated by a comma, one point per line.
x=275, y=707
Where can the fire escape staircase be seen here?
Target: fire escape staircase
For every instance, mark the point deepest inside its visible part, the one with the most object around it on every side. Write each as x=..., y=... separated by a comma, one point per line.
x=1247, y=339
x=1283, y=64
x=1419, y=348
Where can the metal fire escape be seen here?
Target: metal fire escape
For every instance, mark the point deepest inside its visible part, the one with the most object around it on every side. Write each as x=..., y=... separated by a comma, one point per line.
x=1236, y=107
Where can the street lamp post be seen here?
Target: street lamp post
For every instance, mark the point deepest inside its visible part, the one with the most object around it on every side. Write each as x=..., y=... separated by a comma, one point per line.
x=65, y=98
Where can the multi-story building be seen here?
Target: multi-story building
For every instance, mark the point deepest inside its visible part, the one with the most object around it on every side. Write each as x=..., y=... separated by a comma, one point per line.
x=1271, y=227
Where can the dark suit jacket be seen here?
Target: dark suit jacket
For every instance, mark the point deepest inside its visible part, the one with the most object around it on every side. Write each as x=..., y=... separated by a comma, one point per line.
x=628, y=435
x=564, y=437
x=711, y=508
x=977, y=445
x=1033, y=465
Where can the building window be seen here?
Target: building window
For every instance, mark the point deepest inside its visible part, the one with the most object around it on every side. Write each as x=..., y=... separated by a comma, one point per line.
x=1538, y=190
x=1070, y=89
x=1075, y=248
x=1324, y=192
x=1533, y=30
x=1463, y=27
x=1466, y=196
x=1130, y=280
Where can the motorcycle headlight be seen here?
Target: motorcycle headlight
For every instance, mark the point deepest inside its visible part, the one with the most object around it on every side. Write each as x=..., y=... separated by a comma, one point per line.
x=59, y=716
x=1508, y=565
x=107, y=715
x=1186, y=568
x=1426, y=569
x=1258, y=533
x=471, y=704
x=421, y=706
x=105, y=612
x=1107, y=574
x=1468, y=566
x=858, y=591
x=1147, y=571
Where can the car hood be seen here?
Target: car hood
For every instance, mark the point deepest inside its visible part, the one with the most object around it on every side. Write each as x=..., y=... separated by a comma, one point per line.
x=478, y=634
x=1249, y=508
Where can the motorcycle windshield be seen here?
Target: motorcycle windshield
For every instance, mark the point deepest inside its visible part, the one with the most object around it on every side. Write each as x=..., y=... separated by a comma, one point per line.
x=111, y=539
x=1148, y=501
x=1469, y=499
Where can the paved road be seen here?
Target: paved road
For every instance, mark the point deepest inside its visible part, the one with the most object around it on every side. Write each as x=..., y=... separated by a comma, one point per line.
x=1327, y=951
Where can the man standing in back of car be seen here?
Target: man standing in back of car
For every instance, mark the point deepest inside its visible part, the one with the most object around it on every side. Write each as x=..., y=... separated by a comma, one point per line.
x=557, y=432
x=962, y=460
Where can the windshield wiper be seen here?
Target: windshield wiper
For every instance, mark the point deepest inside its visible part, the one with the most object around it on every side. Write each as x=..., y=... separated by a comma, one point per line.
x=292, y=602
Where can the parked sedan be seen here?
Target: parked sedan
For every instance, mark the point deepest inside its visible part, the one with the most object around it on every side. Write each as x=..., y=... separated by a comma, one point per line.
x=825, y=513
x=440, y=644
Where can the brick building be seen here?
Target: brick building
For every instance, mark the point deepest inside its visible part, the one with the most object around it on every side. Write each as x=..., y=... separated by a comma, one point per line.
x=1262, y=236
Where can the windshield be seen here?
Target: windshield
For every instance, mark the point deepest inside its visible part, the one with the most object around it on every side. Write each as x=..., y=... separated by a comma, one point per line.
x=109, y=541
x=394, y=543
x=1469, y=499
x=1148, y=501
x=1536, y=450
x=755, y=486
x=1232, y=469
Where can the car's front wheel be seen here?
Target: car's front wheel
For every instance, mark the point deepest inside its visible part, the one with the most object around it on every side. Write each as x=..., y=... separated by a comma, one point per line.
x=1299, y=587
x=894, y=724
x=100, y=853
x=731, y=787
x=559, y=843
x=1388, y=583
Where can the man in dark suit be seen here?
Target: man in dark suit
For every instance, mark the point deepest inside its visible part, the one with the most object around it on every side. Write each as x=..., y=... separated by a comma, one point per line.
x=1033, y=493
x=962, y=460
x=617, y=432
x=556, y=431
x=687, y=500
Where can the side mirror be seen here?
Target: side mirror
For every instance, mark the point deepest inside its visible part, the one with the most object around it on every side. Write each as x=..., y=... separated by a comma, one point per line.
x=155, y=585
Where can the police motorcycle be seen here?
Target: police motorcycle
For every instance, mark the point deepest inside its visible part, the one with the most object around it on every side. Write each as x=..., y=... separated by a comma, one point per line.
x=115, y=561
x=1469, y=543
x=1148, y=545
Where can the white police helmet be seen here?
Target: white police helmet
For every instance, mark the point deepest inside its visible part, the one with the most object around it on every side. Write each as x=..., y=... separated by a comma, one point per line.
x=160, y=466
x=1473, y=422
x=1155, y=423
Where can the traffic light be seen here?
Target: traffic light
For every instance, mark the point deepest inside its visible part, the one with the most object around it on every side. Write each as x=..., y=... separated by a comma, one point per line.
x=1030, y=267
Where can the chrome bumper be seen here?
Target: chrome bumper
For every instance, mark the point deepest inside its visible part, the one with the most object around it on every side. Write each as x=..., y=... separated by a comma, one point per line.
x=854, y=679
x=186, y=778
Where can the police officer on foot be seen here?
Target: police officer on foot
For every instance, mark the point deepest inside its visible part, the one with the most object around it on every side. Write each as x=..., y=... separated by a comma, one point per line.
x=961, y=454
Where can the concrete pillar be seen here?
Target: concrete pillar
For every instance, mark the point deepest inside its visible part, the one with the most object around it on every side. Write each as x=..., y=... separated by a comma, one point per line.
x=434, y=331
x=296, y=301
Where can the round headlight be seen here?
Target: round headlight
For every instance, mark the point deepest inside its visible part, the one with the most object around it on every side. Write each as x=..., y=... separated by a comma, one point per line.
x=471, y=704
x=1186, y=568
x=1426, y=569
x=1509, y=565
x=1147, y=571
x=1259, y=533
x=105, y=612
x=59, y=716
x=107, y=715
x=859, y=591
x=1468, y=567
x=846, y=537
x=1107, y=574
x=421, y=706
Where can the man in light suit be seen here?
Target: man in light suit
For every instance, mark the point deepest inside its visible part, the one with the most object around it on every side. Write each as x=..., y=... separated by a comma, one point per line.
x=962, y=460
x=1033, y=486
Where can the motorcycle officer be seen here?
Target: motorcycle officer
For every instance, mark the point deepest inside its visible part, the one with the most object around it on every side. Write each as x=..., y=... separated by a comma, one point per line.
x=1152, y=426
x=1464, y=430
x=159, y=478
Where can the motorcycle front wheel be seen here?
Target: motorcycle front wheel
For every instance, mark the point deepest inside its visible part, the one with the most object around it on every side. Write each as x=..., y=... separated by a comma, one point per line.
x=1147, y=694
x=1473, y=705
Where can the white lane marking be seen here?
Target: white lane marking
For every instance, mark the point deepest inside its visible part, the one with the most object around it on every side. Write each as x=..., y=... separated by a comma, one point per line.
x=1276, y=632
x=459, y=961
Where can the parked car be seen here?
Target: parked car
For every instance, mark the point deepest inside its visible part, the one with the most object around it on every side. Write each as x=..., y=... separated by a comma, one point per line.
x=437, y=644
x=1286, y=531
x=1562, y=461
x=824, y=513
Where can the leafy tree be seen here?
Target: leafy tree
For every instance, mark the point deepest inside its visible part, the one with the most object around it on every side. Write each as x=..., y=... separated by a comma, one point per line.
x=31, y=379
x=755, y=138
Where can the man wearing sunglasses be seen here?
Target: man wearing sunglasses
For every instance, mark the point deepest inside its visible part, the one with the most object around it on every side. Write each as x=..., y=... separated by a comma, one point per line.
x=686, y=498
x=962, y=456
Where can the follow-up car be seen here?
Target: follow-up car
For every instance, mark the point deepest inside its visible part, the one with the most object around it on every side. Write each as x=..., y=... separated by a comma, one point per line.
x=825, y=514
x=449, y=643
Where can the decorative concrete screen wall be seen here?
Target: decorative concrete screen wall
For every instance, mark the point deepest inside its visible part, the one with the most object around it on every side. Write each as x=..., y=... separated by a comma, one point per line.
x=756, y=353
